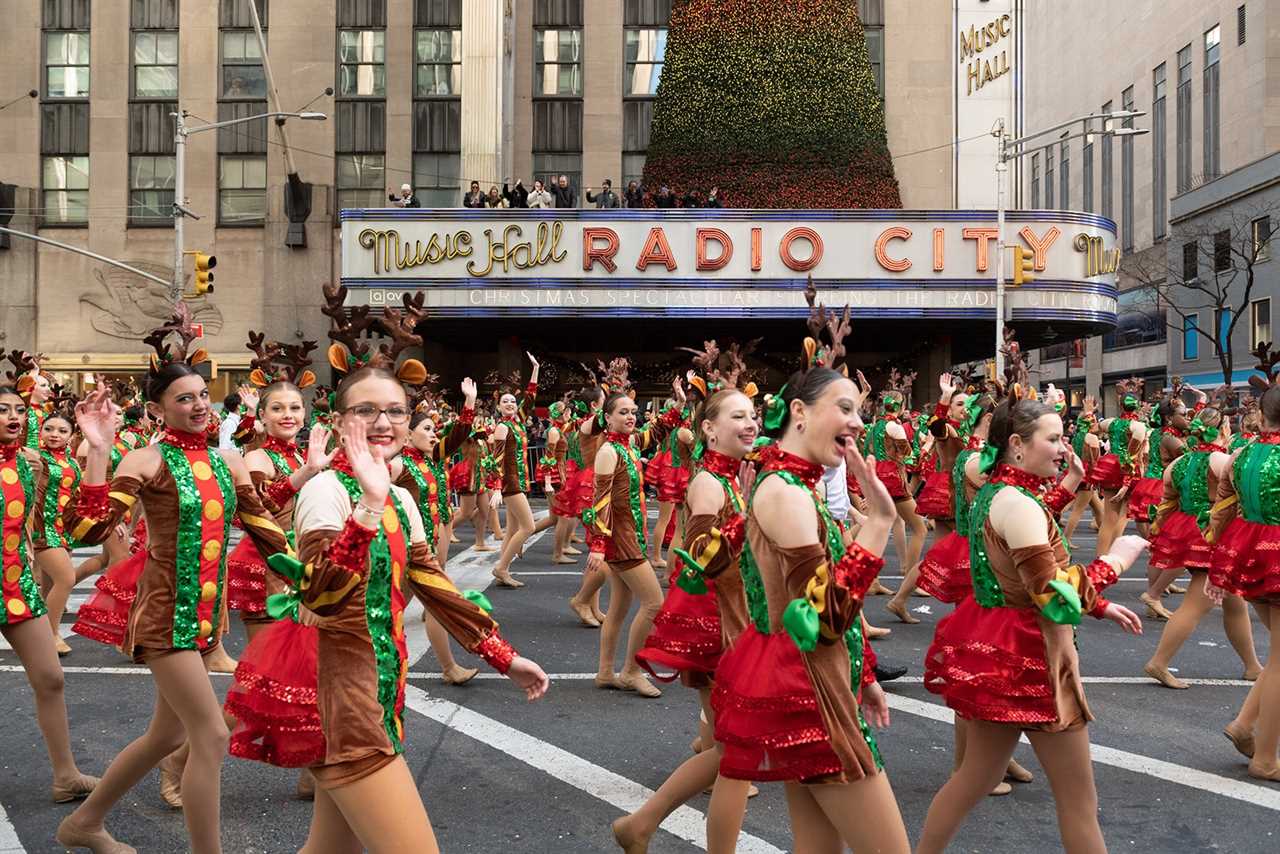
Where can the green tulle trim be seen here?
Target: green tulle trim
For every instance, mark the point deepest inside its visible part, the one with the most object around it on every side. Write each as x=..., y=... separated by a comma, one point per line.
x=52, y=491
x=635, y=489
x=1191, y=473
x=1256, y=476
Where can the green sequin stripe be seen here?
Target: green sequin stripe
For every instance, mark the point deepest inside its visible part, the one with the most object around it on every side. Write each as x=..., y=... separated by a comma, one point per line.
x=986, y=588
x=958, y=492
x=33, y=428
x=875, y=438
x=27, y=584
x=574, y=447
x=521, y=442
x=53, y=486
x=186, y=619
x=1077, y=441
x=377, y=612
x=1155, y=468
x=1238, y=441
x=635, y=489
x=1258, y=468
x=1118, y=432
x=424, y=501
x=1191, y=473
x=442, y=489
x=280, y=461
x=116, y=456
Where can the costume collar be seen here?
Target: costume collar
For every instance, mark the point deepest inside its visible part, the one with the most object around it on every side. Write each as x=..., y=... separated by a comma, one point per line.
x=271, y=443
x=721, y=464
x=184, y=440
x=776, y=459
x=8, y=452
x=620, y=438
x=1013, y=476
x=1269, y=437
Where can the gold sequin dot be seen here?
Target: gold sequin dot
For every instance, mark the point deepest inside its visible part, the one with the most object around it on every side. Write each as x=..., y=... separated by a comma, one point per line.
x=212, y=549
x=59, y=525
x=14, y=510
x=201, y=470
x=64, y=500
x=207, y=591
x=9, y=476
x=206, y=629
x=213, y=510
x=431, y=488
x=399, y=626
x=399, y=729
x=11, y=542
x=17, y=607
x=395, y=574
x=67, y=481
x=390, y=522
x=13, y=573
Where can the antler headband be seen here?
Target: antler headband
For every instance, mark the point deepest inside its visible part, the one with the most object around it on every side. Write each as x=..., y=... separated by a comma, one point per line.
x=165, y=354
x=276, y=362
x=836, y=328
x=349, y=352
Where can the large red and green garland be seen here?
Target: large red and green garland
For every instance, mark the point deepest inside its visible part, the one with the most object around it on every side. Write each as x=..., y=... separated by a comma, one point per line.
x=777, y=109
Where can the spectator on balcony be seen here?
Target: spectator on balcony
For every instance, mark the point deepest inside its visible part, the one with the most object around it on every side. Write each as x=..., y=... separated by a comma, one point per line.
x=692, y=199
x=566, y=196
x=665, y=198
x=541, y=197
x=517, y=197
x=713, y=199
x=405, y=198
x=473, y=198
x=606, y=198
x=634, y=196
x=495, y=199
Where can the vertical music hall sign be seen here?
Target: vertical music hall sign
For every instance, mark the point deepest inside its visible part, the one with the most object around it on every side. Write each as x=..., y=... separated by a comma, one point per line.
x=987, y=65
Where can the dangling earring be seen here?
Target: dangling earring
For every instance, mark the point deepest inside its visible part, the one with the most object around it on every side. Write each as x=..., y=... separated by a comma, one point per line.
x=1017, y=458
x=800, y=427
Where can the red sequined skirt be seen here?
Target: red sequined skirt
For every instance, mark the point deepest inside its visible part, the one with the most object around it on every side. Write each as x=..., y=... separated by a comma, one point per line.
x=577, y=492
x=139, y=541
x=767, y=717
x=989, y=664
x=246, y=579
x=460, y=476
x=544, y=472
x=1144, y=495
x=944, y=572
x=685, y=637
x=890, y=473
x=670, y=480
x=1246, y=560
x=935, y=499
x=1107, y=473
x=274, y=698
x=106, y=613
x=1180, y=544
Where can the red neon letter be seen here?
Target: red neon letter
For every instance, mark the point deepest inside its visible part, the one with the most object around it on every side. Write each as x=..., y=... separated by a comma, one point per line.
x=1040, y=245
x=896, y=232
x=726, y=248
x=983, y=236
x=656, y=251
x=604, y=254
x=801, y=233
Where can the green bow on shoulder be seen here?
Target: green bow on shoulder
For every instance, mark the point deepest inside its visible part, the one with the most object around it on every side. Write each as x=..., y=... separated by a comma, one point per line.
x=1203, y=431
x=1064, y=608
x=475, y=597
x=692, y=577
x=801, y=621
x=987, y=458
x=775, y=410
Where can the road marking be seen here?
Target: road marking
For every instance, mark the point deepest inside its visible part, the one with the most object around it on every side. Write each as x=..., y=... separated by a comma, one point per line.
x=1214, y=784
x=9, y=841
x=626, y=795
x=575, y=573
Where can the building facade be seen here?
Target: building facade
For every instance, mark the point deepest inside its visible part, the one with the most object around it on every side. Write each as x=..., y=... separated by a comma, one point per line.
x=1203, y=71
x=434, y=93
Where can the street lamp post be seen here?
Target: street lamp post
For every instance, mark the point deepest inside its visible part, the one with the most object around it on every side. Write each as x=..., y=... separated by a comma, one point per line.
x=1012, y=149
x=180, y=133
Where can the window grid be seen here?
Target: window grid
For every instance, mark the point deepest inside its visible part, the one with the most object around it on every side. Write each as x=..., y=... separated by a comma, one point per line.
x=362, y=70
x=1108, y=172
x=1190, y=261
x=151, y=187
x=65, y=189
x=361, y=180
x=1222, y=323
x=243, y=76
x=1260, y=323
x=1261, y=233
x=1183, y=133
x=1240, y=24
x=644, y=52
x=1222, y=251
x=242, y=189
x=66, y=63
x=1048, y=177
x=155, y=64
x=1086, y=177
x=1212, y=104
x=438, y=63
x=1035, y=181
x=1190, y=338
x=1159, y=167
x=435, y=178
x=1064, y=174
x=557, y=62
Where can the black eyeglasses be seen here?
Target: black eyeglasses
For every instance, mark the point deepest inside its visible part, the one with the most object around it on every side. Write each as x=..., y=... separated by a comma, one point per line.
x=368, y=413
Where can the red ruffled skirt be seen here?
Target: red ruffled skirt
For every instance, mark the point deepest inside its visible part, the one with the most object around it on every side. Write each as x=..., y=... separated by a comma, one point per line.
x=1246, y=560
x=767, y=716
x=1180, y=543
x=139, y=542
x=657, y=464
x=246, y=579
x=671, y=480
x=460, y=476
x=685, y=637
x=989, y=664
x=1107, y=473
x=542, y=472
x=935, y=499
x=106, y=613
x=274, y=698
x=493, y=481
x=579, y=488
x=1144, y=495
x=891, y=475
x=944, y=572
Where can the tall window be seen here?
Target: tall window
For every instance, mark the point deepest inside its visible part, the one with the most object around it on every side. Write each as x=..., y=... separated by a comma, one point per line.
x=1126, y=175
x=1190, y=261
x=1222, y=251
x=242, y=148
x=1064, y=174
x=871, y=13
x=1222, y=322
x=360, y=107
x=152, y=168
x=1260, y=323
x=1035, y=180
x=1240, y=24
x=644, y=51
x=1190, y=338
x=1086, y=174
x=1048, y=177
x=1159, y=168
x=64, y=114
x=437, y=103
x=1261, y=232
x=1183, y=132
x=1212, y=104
x=557, y=92
x=1108, y=173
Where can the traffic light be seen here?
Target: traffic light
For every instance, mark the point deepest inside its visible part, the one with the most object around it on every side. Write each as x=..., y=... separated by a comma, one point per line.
x=204, y=279
x=1024, y=264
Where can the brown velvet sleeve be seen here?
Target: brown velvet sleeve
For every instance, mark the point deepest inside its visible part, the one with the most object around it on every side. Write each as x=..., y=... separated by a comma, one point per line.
x=456, y=436
x=1171, y=447
x=406, y=481
x=1038, y=565
x=652, y=434
x=99, y=508
x=466, y=622
x=336, y=563
x=259, y=524
x=808, y=575
x=598, y=518
x=948, y=448
x=1226, y=507
x=715, y=547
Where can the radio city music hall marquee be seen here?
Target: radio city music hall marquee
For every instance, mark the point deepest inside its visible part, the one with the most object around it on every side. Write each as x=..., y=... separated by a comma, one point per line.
x=728, y=263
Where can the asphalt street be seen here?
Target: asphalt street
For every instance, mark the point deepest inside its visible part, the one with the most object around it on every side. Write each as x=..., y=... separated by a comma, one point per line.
x=500, y=774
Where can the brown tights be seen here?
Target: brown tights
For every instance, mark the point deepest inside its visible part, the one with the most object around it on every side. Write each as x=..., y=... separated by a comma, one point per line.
x=988, y=749
x=55, y=565
x=1267, y=688
x=1193, y=608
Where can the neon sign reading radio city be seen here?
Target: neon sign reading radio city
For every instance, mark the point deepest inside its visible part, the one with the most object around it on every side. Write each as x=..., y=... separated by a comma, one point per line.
x=800, y=249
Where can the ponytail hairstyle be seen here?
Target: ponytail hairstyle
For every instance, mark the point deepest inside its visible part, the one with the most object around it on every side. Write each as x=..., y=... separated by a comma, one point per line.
x=1012, y=417
x=805, y=386
x=1208, y=425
